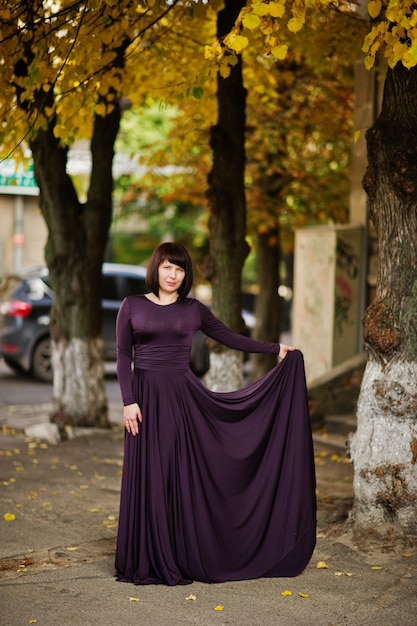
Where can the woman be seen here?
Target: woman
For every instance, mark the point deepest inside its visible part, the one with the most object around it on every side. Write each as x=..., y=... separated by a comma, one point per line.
x=216, y=486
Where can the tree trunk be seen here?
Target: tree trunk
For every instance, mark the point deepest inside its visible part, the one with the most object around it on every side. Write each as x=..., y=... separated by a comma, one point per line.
x=226, y=196
x=77, y=238
x=267, y=306
x=384, y=448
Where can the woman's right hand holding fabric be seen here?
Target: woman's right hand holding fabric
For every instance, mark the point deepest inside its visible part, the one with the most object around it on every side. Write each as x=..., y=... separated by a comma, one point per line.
x=131, y=415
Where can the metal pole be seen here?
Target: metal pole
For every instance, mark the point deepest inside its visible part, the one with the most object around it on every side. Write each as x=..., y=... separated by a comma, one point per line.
x=18, y=236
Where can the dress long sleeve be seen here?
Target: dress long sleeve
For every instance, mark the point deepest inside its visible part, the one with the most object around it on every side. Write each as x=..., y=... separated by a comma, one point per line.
x=215, y=329
x=124, y=343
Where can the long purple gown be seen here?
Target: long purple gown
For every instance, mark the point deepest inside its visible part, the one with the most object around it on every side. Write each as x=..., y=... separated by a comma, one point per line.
x=216, y=486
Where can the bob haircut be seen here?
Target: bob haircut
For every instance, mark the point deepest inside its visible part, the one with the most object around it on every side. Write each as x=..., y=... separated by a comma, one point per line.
x=176, y=254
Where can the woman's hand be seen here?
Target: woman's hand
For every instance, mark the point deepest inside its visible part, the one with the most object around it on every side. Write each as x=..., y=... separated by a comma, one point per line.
x=131, y=415
x=283, y=350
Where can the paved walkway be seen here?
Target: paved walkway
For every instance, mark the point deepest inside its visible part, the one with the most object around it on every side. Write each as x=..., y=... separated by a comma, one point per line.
x=57, y=551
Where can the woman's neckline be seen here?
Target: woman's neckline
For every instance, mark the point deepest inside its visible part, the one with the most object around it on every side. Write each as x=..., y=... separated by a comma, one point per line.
x=157, y=303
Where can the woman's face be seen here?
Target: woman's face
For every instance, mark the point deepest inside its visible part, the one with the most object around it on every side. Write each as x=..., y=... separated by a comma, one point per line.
x=170, y=276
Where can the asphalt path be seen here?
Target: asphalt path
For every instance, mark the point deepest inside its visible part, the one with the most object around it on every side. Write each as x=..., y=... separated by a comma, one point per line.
x=18, y=389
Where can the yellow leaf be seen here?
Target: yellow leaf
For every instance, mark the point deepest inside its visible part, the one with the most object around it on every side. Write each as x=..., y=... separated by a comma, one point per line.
x=338, y=573
x=251, y=21
x=280, y=52
x=286, y=593
x=276, y=9
x=132, y=599
x=5, y=14
x=376, y=567
x=374, y=8
x=236, y=42
x=33, y=621
x=9, y=517
x=191, y=597
x=408, y=61
x=322, y=565
x=100, y=109
x=208, y=53
x=369, y=62
x=219, y=607
x=303, y=595
x=408, y=554
x=260, y=8
x=72, y=548
x=224, y=71
x=348, y=574
x=295, y=24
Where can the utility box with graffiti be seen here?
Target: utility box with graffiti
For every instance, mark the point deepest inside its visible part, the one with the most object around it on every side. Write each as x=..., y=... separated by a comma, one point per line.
x=328, y=287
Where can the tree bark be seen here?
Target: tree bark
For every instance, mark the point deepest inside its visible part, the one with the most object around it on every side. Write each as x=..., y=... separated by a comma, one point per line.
x=267, y=305
x=384, y=448
x=226, y=197
x=77, y=238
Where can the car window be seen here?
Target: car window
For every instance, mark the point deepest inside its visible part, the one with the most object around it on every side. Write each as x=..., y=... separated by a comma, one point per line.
x=110, y=289
x=135, y=285
x=37, y=289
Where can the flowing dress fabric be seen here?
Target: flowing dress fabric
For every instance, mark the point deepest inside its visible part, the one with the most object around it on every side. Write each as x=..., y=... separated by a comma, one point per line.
x=216, y=486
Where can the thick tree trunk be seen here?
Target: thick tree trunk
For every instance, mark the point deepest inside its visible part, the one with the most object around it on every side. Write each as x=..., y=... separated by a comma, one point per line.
x=267, y=307
x=226, y=196
x=77, y=238
x=384, y=448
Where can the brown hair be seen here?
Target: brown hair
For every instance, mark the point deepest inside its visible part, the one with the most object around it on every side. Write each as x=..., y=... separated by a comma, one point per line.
x=176, y=254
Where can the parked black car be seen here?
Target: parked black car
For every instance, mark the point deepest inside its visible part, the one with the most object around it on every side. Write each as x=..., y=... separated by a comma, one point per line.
x=25, y=304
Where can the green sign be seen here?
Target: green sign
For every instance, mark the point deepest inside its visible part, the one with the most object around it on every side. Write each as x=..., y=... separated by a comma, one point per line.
x=17, y=177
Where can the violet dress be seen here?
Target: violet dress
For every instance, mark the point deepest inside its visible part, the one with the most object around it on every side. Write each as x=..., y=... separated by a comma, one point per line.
x=216, y=486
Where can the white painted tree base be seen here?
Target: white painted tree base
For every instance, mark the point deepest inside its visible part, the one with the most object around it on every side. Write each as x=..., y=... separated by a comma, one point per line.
x=384, y=448
x=78, y=386
x=226, y=371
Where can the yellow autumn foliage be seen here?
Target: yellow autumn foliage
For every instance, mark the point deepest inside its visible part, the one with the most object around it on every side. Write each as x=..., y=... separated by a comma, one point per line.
x=392, y=33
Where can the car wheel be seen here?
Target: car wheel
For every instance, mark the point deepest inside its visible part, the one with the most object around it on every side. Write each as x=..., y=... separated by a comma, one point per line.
x=200, y=355
x=41, y=361
x=16, y=367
